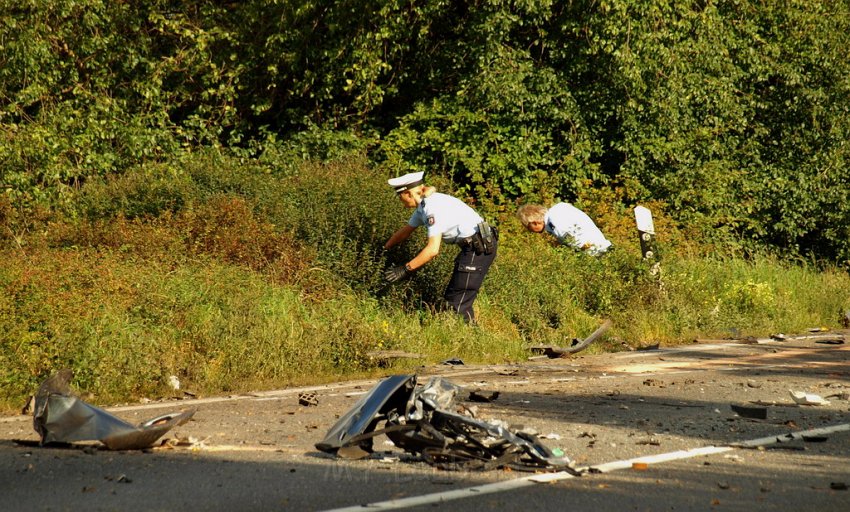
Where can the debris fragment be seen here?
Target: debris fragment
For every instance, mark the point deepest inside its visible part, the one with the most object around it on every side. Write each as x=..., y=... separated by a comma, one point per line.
x=782, y=447
x=803, y=398
x=745, y=411
x=308, y=398
x=844, y=395
x=822, y=338
x=29, y=406
x=832, y=341
x=60, y=417
x=654, y=346
x=174, y=382
x=483, y=396
x=576, y=345
x=186, y=442
x=649, y=442
x=419, y=421
x=453, y=362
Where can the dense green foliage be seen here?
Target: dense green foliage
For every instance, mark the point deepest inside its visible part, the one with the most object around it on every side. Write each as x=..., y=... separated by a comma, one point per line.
x=732, y=113
x=197, y=187
x=237, y=275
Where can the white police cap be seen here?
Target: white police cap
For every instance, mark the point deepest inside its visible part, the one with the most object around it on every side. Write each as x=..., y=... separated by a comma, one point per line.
x=407, y=181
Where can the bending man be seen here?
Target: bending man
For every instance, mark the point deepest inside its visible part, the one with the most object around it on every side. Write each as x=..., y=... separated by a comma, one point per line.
x=567, y=223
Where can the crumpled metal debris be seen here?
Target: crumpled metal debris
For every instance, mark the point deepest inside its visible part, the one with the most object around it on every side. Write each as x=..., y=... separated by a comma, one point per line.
x=420, y=420
x=576, y=345
x=387, y=397
x=438, y=393
x=61, y=417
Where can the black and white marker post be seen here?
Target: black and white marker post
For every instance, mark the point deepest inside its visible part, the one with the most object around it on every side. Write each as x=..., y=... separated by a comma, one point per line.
x=646, y=233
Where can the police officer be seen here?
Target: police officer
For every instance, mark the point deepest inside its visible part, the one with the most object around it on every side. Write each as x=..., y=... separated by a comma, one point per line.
x=567, y=223
x=448, y=220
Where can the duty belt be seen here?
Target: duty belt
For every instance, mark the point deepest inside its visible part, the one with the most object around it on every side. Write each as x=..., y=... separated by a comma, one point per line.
x=482, y=242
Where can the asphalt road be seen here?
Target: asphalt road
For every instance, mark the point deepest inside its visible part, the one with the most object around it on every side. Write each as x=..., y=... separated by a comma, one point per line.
x=667, y=408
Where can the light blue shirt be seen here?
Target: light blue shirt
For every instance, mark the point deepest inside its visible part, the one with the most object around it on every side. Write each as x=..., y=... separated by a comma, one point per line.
x=446, y=216
x=572, y=226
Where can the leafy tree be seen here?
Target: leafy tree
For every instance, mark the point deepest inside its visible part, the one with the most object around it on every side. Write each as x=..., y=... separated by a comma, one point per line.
x=732, y=112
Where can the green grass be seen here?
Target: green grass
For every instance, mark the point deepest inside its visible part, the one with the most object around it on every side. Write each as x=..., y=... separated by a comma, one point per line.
x=242, y=281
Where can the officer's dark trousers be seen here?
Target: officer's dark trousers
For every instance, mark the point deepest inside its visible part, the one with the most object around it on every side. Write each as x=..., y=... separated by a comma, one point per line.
x=469, y=272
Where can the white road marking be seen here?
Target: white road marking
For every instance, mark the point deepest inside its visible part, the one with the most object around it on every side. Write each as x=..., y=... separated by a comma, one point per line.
x=509, y=485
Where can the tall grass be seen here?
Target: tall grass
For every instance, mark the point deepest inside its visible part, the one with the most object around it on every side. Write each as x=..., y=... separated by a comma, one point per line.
x=238, y=276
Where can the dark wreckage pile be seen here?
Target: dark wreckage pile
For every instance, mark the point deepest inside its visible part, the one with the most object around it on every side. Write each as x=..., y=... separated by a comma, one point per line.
x=421, y=421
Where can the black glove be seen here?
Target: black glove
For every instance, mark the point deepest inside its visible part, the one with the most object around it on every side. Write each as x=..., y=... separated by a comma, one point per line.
x=396, y=273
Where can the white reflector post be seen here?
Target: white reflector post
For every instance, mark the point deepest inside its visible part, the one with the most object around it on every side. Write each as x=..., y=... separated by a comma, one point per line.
x=646, y=232
x=643, y=218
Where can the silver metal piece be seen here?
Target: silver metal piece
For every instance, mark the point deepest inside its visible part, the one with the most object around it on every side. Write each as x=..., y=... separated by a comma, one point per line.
x=60, y=417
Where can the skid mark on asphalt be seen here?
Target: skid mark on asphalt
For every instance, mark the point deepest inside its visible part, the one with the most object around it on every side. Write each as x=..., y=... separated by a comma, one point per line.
x=510, y=485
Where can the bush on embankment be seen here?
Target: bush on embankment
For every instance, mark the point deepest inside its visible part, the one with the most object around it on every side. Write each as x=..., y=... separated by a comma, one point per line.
x=236, y=276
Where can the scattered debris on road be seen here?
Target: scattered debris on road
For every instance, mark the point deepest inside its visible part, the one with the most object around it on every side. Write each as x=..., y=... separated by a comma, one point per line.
x=419, y=420
x=826, y=339
x=61, y=417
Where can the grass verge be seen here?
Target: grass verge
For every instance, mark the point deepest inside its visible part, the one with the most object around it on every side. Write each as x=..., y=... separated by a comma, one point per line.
x=236, y=279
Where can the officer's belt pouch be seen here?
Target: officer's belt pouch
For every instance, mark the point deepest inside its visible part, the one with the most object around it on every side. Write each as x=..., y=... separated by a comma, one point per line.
x=485, y=239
